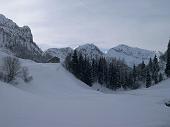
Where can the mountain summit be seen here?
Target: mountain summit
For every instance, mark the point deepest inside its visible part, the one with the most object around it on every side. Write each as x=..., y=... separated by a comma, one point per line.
x=18, y=39
x=131, y=55
x=59, y=52
x=90, y=51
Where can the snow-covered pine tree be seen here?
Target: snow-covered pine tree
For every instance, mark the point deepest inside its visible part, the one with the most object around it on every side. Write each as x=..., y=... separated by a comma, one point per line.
x=134, y=74
x=143, y=71
x=150, y=65
x=155, y=69
x=148, y=79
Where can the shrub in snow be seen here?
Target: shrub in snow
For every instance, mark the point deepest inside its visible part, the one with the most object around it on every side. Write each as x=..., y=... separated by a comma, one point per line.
x=25, y=75
x=12, y=67
x=12, y=71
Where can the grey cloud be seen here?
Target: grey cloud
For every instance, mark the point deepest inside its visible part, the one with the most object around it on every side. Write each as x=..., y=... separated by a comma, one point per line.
x=57, y=23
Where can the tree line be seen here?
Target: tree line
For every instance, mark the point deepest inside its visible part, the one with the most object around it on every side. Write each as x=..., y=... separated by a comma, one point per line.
x=113, y=73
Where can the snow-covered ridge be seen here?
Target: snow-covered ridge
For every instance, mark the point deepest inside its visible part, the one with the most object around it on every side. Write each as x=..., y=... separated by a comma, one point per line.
x=14, y=37
x=133, y=51
x=59, y=52
x=90, y=51
x=7, y=22
x=131, y=55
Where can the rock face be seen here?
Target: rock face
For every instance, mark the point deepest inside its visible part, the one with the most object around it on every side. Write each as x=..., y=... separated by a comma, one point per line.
x=18, y=39
x=58, y=52
x=131, y=55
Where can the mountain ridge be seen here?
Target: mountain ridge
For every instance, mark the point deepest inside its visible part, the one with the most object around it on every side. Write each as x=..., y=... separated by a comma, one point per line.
x=131, y=55
x=18, y=39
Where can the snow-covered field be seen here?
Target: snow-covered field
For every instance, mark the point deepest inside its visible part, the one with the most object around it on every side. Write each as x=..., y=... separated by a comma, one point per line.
x=56, y=99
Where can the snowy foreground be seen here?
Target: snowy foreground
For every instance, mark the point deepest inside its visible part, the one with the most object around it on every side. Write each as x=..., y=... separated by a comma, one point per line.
x=56, y=99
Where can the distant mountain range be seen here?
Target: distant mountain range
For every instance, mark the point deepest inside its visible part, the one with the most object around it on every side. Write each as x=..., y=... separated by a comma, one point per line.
x=130, y=55
x=19, y=40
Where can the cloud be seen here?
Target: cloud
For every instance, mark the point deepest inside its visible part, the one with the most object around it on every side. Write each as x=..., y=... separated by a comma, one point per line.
x=57, y=23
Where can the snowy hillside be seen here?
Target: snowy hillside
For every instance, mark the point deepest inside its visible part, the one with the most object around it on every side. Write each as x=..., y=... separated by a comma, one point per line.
x=131, y=55
x=90, y=51
x=17, y=39
x=59, y=52
x=55, y=98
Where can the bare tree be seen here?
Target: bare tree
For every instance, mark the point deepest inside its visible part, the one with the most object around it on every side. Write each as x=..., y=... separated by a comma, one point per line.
x=11, y=67
x=25, y=75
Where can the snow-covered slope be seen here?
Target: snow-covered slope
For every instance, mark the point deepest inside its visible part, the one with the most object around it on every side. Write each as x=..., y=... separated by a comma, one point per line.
x=17, y=39
x=131, y=55
x=90, y=51
x=56, y=98
x=59, y=52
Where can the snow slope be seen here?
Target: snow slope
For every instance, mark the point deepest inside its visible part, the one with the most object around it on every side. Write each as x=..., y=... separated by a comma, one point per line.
x=56, y=99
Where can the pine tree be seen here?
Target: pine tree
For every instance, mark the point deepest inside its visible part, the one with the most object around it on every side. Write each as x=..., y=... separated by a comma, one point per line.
x=167, y=70
x=94, y=70
x=130, y=81
x=67, y=62
x=74, y=63
x=125, y=83
x=101, y=71
x=112, y=77
x=88, y=73
x=143, y=71
x=150, y=65
x=143, y=65
x=155, y=69
x=148, y=79
x=160, y=77
x=156, y=64
x=80, y=66
x=134, y=74
x=105, y=71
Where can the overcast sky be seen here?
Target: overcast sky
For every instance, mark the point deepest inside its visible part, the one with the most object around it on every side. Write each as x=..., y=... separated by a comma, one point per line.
x=106, y=23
